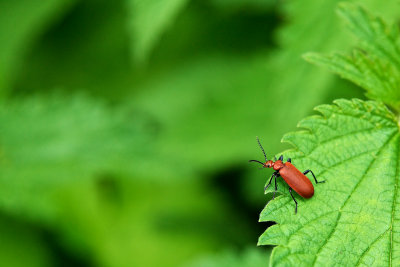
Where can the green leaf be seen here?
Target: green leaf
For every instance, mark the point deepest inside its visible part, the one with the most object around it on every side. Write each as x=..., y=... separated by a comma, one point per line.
x=244, y=4
x=20, y=22
x=353, y=218
x=123, y=221
x=59, y=142
x=375, y=64
x=82, y=170
x=21, y=239
x=251, y=257
x=148, y=20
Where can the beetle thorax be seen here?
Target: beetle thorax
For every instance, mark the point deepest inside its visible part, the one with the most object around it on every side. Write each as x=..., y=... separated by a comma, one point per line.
x=277, y=165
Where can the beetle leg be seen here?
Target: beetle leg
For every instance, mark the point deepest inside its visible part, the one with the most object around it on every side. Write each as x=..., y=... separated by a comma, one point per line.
x=281, y=157
x=289, y=160
x=270, y=181
x=290, y=191
x=276, y=188
x=307, y=171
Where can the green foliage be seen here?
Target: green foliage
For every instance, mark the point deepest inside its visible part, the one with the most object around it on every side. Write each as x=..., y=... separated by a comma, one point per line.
x=375, y=64
x=354, y=146
x=78, y=166
x=251, y=257
x=27, y=20
x=148, y=20
x=271, y=81
x=210, y=81
x=22, y=245
x=148, y=166
x=78, y=136
x=248, y=4
x=352, y=218
x=111, y=218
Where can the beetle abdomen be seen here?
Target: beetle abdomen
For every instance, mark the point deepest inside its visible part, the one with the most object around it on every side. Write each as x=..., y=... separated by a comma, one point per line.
x=297, y=180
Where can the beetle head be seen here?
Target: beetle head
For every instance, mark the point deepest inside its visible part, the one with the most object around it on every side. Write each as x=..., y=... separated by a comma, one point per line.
x=268, y=164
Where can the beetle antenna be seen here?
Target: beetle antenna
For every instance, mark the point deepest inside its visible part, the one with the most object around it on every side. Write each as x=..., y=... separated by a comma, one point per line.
x=265, y=156
x=253, y=160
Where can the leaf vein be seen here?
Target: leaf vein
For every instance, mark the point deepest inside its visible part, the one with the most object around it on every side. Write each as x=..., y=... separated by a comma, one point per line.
x=369, y=130
x=349, y=196
x=393, y=207
x=313, y=219
x=369, y=247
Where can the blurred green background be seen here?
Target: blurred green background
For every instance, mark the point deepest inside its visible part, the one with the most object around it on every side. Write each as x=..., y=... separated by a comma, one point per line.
x=126, y=126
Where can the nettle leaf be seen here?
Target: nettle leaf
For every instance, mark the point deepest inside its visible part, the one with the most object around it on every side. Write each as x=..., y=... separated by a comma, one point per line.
x=353, y=218
x=375, y=64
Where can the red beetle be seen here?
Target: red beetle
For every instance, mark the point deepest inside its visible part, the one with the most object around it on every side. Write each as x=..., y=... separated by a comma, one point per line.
x=296, y=180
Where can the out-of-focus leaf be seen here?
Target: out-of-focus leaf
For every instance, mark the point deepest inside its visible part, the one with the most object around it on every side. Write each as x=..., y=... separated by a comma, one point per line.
x=125, y=222
x=76, y=58
x=376, y=65
x=148, y=20
x=352, y=218
x=22, y=246
x=20, y=22
x=62, y=159
x=92, y=57
x=48, y=143
x=251, y=257
x=245, y=4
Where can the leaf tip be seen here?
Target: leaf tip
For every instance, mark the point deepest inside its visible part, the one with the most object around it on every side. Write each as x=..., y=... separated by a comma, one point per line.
x=345, y=9
x=309, y=56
